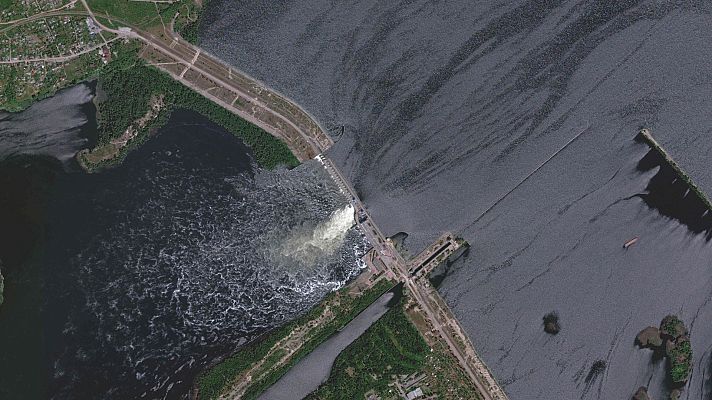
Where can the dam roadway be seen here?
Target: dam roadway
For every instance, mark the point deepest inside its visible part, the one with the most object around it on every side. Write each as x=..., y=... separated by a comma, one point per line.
x=282, y=118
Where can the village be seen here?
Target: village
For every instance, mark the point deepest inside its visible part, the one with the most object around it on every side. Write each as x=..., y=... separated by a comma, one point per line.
x=39, y=56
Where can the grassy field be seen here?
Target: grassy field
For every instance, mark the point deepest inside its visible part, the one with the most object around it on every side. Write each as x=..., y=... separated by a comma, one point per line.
x=142, y=14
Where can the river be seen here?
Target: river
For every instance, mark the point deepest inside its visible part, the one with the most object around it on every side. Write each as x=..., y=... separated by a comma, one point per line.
x=126, y=283
x=447, y=106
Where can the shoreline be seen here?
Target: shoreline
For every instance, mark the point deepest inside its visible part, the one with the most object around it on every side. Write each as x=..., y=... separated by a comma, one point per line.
x=250, y=376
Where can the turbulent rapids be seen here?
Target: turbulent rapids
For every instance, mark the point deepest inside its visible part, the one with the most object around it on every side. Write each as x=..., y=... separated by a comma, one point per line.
x=305, y=245
x=182, y=253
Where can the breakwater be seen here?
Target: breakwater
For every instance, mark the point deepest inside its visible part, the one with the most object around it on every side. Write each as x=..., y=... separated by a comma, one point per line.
x=645, y=136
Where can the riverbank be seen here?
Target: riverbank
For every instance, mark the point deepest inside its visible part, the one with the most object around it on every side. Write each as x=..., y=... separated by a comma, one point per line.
x=253, y=369
x=139, y=99
x=170, y=223
x=399, y=353
x=47, y=46
x=307, y=375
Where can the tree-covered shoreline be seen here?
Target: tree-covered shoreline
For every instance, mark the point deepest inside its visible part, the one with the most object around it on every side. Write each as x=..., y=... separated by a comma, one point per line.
x=129, y=84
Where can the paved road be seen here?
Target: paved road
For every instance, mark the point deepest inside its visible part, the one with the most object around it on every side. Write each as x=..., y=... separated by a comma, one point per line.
x=267, y=109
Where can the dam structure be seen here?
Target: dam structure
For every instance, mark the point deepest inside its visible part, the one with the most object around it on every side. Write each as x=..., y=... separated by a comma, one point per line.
x=253, y=101
x=414, y=276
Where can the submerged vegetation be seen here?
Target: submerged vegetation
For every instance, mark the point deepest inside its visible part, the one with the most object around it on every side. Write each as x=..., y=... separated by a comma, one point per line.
x=677, y=348
x=130, y=85
x=551, y=323
x=641, y=394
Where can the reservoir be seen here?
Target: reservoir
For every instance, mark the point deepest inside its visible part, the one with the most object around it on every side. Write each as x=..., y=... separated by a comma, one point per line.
x=448, y=106
x=126, y=283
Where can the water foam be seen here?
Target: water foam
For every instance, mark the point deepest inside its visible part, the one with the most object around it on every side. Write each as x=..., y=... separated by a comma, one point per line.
x=306, y=246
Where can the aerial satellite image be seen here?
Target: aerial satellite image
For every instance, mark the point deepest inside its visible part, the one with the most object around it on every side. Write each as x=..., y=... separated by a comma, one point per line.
x=376, y=200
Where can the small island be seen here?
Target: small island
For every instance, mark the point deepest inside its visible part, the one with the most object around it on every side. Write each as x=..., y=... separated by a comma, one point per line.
x=641, y=394
x=673, y=340
x=551, y=323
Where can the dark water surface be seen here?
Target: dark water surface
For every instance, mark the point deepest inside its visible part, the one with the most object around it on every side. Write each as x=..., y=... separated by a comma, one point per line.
x=448, y=105
x=131, y=280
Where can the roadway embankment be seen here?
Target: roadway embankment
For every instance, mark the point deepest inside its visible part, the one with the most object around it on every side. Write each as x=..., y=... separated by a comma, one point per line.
x=646, y=136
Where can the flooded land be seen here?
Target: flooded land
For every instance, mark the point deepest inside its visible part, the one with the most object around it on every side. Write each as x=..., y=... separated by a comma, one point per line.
x=448, y=106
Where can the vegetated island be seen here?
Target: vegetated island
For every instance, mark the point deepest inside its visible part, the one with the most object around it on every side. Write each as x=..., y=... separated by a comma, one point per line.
x=642, y=394
x=672, y=340
x=551, y=323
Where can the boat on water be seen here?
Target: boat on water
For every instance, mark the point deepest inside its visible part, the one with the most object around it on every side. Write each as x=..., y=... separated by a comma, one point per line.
x=630, y=242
